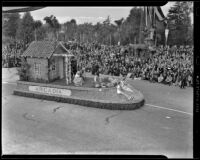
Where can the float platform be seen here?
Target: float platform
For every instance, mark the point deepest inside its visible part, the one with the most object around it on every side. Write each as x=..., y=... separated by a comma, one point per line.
x=105, y=98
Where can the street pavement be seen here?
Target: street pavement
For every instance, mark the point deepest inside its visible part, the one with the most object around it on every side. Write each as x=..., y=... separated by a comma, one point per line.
x=163, y=126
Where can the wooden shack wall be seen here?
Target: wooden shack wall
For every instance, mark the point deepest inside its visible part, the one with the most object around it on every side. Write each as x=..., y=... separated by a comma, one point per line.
x=43, y=76
x=54, y=74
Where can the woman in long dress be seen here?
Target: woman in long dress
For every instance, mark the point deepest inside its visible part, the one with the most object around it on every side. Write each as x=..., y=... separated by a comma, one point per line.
x=78, y=80
x=124, y=90
x=125, y=86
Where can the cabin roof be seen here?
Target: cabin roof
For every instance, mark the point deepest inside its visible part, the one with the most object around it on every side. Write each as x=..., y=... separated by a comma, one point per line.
x=43, y=49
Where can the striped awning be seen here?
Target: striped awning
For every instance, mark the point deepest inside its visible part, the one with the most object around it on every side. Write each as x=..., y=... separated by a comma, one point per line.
x=159, y=14
x=153, y=14
x=19, y=9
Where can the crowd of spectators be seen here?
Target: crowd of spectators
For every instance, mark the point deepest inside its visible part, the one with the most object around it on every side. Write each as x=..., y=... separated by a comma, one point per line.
x=11, y=54
x=168, y=65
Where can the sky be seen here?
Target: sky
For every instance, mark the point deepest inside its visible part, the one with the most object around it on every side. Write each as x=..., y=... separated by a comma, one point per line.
x=87, y=14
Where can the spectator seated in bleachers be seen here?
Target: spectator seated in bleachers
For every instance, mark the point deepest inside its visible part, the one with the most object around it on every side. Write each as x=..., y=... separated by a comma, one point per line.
x=114, y=61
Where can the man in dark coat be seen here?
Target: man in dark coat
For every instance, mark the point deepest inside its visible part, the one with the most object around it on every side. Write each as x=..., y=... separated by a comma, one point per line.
x=95, y=68
x=183, y=80
x=73, y=67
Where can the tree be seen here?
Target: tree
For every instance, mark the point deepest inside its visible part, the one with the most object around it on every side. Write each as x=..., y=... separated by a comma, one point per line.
x=160, y=32
x=86, y=31
x=26, y=29
x=119, y=24
x=131, y=26
x=106, y=31
x=37, y=25
x=70, y=28
x=107, y=21
x=180, y=23
x=23, y=70
x=97, y=28
x=41, y=33
x=10, y=24
x=54, y=26
x=73, y=21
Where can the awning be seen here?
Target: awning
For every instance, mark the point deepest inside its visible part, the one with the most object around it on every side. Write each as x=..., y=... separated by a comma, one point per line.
x=19, y=9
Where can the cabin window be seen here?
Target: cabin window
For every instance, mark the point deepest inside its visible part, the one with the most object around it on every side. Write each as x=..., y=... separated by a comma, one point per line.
x=37, y=68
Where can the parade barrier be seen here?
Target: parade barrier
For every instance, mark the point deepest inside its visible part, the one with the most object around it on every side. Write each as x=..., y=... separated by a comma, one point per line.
x=105, y=98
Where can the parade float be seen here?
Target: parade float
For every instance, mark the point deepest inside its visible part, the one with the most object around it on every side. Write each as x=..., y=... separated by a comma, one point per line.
x=46, y=73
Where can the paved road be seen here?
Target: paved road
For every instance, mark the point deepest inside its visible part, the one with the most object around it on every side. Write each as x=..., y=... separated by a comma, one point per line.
x=163, y=126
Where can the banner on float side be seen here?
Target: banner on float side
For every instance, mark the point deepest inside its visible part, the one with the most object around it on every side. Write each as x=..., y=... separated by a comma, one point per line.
x=50, y=91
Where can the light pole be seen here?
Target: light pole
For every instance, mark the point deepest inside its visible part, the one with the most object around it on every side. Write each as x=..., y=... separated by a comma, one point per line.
x=62, y=33
x=166, y=34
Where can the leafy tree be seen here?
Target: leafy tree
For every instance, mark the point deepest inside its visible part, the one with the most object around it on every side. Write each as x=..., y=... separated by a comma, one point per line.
x=119, y=24
x=25, y=31
x=41, y=33
x=10, y=24
x=97, y=28
x=180, y=23
x=70, y=28
x=23, y=70
x=160, y=33
x=53, y=26
x=132, y=26
x=37, y=25
x=107, y=21
x=86, y=32
x=73, y=21
x=106, y=31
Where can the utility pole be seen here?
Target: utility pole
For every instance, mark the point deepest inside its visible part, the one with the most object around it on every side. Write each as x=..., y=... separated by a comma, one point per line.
x=140, y=31
x=155, y=32
x=110, y=39
x=35, y=35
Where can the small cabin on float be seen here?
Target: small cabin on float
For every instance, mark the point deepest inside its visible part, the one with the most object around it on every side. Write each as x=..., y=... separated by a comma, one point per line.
x=48, y=61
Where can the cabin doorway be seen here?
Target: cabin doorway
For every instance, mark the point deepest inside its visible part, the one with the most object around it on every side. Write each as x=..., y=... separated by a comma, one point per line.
x=61, y=67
